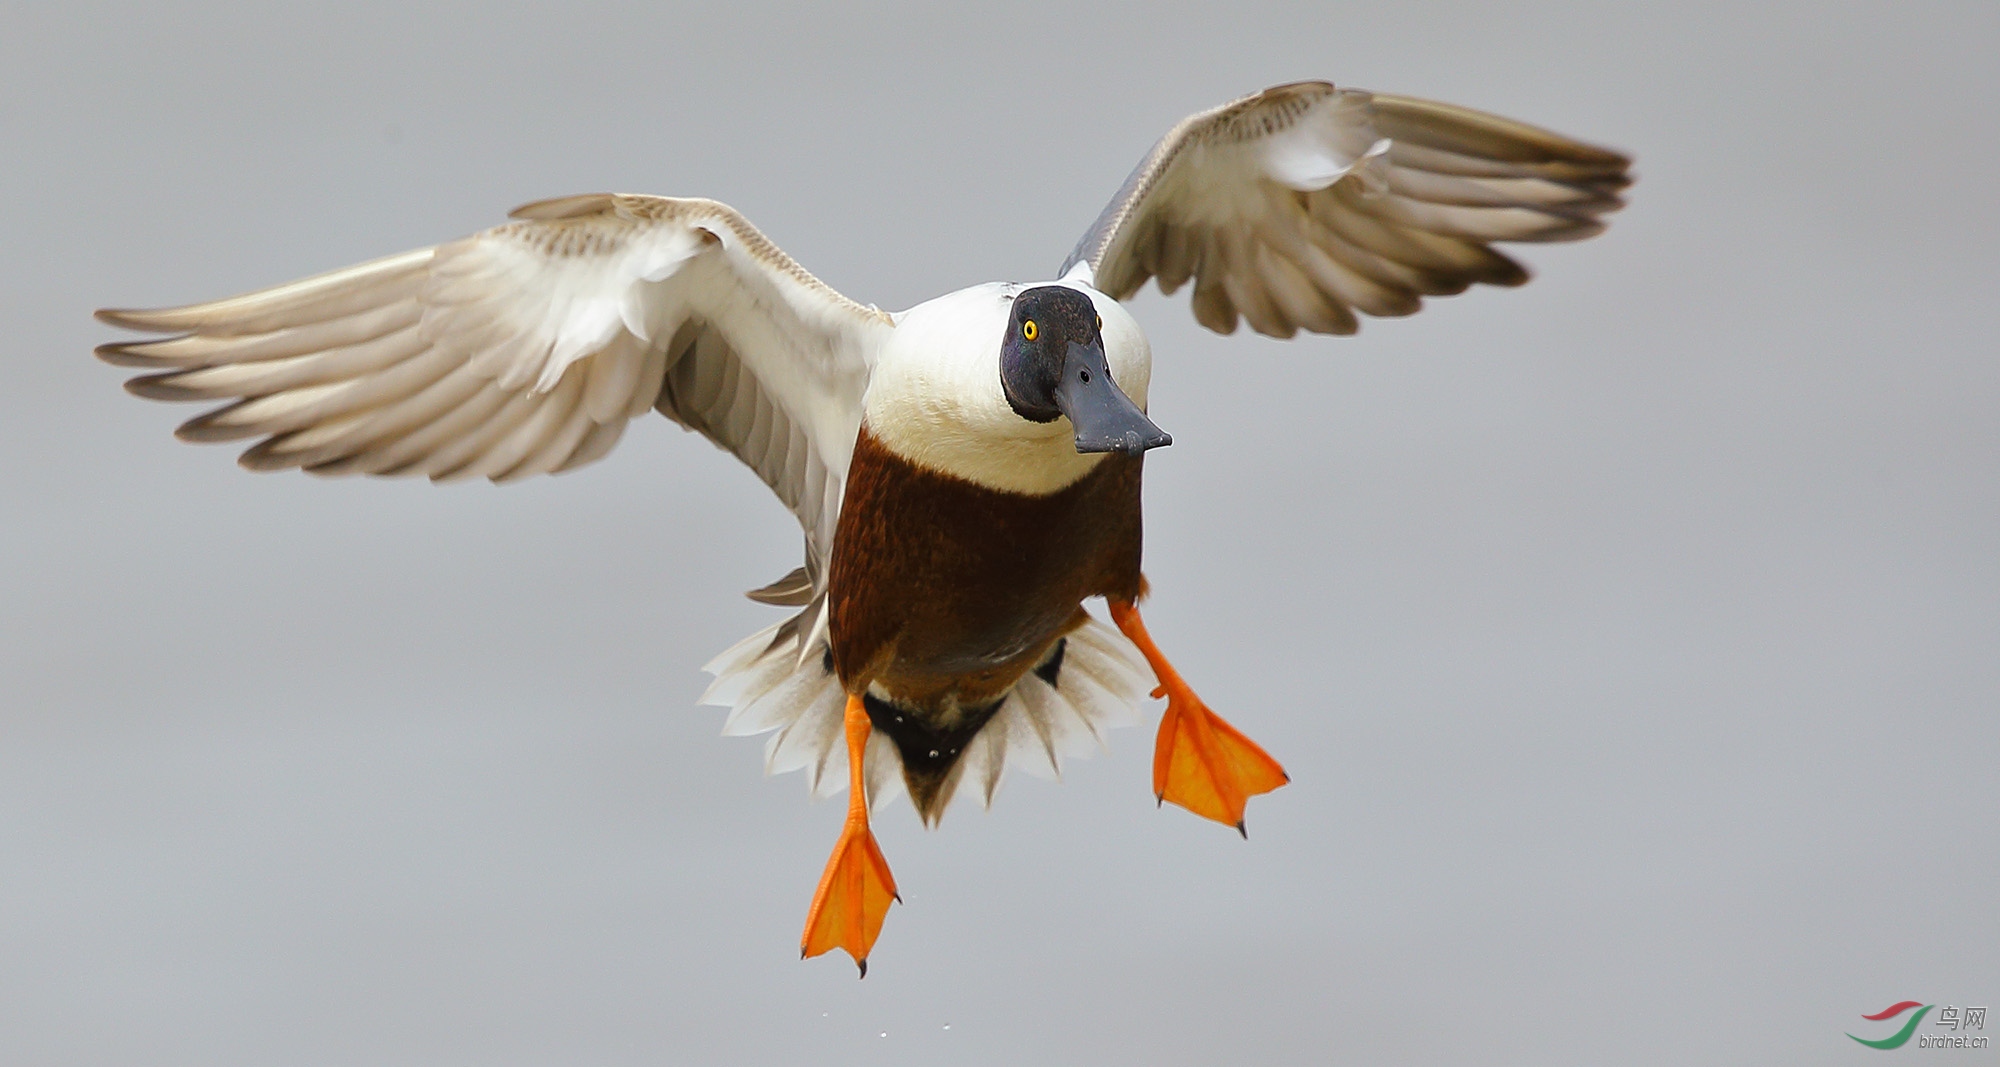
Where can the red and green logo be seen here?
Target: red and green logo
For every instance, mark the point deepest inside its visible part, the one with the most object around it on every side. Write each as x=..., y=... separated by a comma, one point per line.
x=1900, y=1037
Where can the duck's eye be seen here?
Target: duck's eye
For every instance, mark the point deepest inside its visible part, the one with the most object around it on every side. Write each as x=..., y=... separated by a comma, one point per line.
x=1029, y=330
x=1100, y=324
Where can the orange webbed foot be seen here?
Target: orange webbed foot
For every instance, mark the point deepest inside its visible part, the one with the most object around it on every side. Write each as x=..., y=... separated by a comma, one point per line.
x=1200, y=762
x=852, y=900
x=1206, y=765
x=855, y=891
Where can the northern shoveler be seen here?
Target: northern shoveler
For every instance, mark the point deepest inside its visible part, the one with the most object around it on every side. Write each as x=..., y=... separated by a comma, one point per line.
x=967, y=472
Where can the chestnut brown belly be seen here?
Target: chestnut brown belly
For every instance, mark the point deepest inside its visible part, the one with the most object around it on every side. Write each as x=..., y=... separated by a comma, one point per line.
x=944, y=592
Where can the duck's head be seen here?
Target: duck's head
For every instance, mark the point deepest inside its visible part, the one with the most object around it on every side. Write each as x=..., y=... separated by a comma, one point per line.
x=1022, y=388
x=1052, y=365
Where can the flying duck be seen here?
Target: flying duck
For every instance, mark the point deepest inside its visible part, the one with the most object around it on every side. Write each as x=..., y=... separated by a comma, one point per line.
x=967, y=472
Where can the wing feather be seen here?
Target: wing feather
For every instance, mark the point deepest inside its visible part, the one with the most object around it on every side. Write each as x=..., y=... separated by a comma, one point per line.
x=595, y=445
x=514, y=457
x=207, y=350
x=333, y=295
x=261, y=377
x=426, y=450
x=455, y=459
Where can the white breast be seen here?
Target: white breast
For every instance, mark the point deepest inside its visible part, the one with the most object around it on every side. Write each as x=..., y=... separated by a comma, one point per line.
x=934, y=395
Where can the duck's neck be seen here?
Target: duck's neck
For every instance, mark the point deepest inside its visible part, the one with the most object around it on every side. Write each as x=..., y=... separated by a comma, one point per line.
x=931, y=435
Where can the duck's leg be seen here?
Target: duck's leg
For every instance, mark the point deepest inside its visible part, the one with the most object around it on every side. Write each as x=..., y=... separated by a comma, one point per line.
x=854, y=893
x=1199, y=762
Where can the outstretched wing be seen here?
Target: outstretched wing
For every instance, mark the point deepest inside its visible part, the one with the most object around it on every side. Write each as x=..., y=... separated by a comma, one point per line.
x=527, y=348
x=1302, y=204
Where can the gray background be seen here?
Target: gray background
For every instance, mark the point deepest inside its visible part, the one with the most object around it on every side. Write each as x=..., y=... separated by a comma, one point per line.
x=1631, y=637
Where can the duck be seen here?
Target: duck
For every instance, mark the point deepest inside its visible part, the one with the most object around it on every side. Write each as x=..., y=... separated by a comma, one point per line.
x=966, y=473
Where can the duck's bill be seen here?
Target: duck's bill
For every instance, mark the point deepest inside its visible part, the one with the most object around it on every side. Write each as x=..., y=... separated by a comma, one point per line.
x=1106, y=420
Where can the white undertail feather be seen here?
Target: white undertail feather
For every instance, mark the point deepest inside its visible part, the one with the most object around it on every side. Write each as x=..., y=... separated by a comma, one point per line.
x=771, y=687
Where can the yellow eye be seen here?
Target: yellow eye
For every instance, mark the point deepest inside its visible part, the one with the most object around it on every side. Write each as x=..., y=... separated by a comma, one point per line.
x=1029, y=330
x=1100, y=324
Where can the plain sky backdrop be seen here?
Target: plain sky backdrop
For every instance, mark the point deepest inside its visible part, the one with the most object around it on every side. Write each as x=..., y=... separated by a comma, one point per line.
x=1633, y=638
